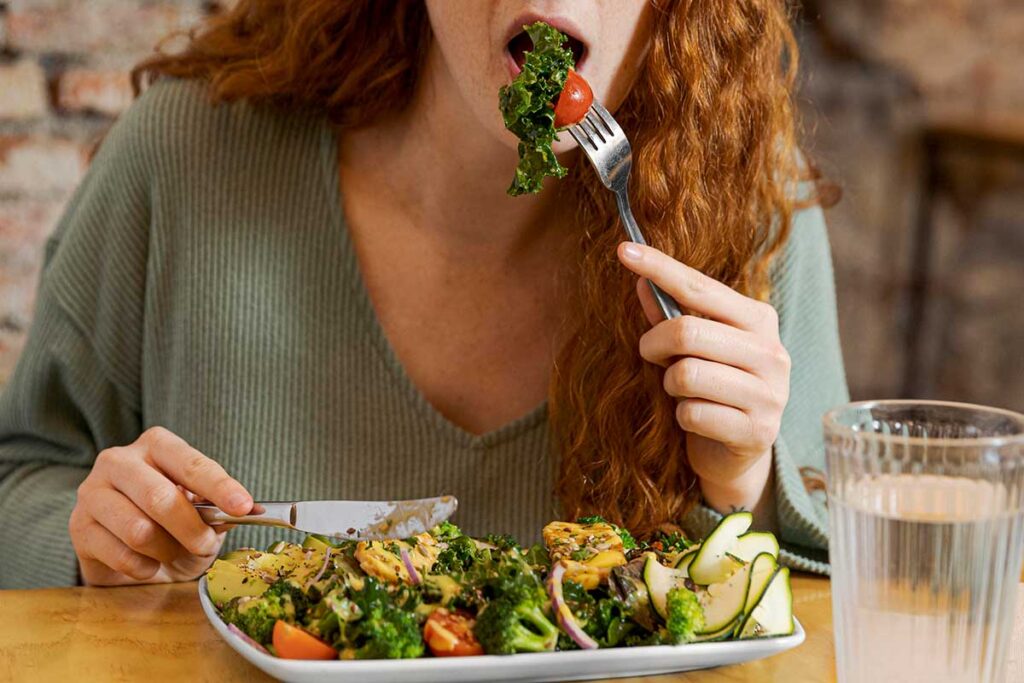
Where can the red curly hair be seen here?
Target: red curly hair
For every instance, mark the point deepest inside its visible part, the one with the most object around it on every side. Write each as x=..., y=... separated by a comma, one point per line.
x=711, y=122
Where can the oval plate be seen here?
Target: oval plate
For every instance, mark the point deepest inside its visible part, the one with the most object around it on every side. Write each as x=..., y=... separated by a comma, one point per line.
x=573, y=665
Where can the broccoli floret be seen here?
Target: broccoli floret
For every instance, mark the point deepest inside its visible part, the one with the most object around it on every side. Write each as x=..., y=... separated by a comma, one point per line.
x=515, y=621
x=299, y=599
x=628, y=542
x=333, y=615
x=383, y=630
x=257, y=615
x=505, y=627
x=459, y=556
x=685, y=615
x=503, y=542
x=446, y=531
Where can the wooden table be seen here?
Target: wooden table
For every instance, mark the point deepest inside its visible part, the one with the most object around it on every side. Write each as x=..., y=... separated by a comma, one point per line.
x=159, y=634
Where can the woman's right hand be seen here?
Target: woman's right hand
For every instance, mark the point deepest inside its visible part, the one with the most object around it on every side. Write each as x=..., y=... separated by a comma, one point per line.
x=134, y=521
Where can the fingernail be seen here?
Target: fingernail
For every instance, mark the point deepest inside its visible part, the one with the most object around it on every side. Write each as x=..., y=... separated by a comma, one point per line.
x=632, y=252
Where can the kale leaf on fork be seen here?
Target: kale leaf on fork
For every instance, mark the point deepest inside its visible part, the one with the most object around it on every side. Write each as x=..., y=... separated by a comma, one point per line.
x=526, y=106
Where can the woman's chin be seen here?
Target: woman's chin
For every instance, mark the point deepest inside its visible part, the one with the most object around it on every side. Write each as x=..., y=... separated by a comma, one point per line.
x=564, y=144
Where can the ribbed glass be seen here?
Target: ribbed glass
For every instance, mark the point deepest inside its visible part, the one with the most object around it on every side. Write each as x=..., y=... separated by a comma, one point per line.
x=926, y=501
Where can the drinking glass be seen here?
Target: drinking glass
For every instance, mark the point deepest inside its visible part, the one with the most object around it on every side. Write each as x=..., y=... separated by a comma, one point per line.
x=926, y=501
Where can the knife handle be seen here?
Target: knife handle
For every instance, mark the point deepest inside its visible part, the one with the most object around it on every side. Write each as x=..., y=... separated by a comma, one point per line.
x=272, y=514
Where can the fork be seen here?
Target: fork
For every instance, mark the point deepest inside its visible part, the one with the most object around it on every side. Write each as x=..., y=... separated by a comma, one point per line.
x=601, y=138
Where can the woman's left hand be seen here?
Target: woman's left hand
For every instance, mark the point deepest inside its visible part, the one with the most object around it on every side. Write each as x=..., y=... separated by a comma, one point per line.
x=728, y=369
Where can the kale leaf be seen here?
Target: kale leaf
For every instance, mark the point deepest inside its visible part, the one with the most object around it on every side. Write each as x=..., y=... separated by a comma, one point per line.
x=526, y=107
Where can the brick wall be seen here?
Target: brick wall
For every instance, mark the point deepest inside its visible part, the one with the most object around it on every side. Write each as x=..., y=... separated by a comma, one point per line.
x=875, y=71
x=63, y=76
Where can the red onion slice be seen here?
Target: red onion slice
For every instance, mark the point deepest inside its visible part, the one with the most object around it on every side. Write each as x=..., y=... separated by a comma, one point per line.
x=245, y=637
x=566, y=619
x=414, y=576
x=323, y=567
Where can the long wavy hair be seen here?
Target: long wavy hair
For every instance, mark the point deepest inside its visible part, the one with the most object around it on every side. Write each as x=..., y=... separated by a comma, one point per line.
x=711, y=122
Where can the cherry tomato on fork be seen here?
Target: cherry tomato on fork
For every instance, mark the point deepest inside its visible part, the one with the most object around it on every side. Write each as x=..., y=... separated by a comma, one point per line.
x=575, y=100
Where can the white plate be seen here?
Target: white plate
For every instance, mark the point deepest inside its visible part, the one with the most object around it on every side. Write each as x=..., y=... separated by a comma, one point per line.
x=574, y=665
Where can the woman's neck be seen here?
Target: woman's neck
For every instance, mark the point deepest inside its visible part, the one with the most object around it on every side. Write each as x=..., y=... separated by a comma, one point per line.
x=446, y=174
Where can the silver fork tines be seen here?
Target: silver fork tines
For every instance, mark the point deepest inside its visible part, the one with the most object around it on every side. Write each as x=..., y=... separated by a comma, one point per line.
x=605, y=144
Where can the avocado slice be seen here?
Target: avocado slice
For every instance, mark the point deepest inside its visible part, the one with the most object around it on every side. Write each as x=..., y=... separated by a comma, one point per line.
x=225, y=581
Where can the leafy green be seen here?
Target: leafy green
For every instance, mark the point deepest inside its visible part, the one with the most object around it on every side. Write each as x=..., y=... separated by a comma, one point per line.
x=601, y=617
x=459, y=556
x=527, y=110
x=445, y=531
x=674, y=541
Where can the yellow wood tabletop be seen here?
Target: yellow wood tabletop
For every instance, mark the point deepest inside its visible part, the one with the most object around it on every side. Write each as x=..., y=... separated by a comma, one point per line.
x=159, y=634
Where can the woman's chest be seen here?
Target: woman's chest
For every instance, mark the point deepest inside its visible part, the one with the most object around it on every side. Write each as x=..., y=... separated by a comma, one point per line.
x=475, y=336
x=267, y=357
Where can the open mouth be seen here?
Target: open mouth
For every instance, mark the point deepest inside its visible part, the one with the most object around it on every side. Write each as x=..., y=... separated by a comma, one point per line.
x=520, y=44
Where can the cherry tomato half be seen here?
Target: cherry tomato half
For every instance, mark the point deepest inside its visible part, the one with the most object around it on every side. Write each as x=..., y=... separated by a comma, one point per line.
x=574, y=101
x=291, y=642
x=450, y=634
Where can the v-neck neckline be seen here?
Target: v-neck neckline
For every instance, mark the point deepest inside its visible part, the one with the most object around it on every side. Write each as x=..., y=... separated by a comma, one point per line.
x=441, y=424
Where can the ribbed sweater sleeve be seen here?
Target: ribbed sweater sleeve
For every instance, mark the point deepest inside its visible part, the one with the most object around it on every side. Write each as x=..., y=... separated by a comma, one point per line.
x=803, y=292
x=75, y=391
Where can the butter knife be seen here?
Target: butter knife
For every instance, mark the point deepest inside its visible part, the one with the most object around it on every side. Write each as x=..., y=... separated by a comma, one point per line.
x=369, y=520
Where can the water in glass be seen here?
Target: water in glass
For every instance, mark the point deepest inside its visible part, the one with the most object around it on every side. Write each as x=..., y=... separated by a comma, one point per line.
x=927, y=514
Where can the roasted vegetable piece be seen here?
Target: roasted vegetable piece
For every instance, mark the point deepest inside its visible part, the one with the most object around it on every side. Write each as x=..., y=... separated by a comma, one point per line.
x=450, y=634
x=226, y=580
x=588, y=551
x=628, y=542
x=685, y=616
x=527, y=110
x=383, y=559
x=291, y=642
x=256, y=615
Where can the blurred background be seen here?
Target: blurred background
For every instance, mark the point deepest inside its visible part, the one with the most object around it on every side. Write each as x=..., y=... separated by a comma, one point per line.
x=914, y=107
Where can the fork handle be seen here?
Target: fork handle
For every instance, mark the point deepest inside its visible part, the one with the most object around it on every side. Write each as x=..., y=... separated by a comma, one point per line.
x=669, y=307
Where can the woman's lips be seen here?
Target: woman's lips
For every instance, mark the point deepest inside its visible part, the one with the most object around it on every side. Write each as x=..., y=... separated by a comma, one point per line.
x=518, y=42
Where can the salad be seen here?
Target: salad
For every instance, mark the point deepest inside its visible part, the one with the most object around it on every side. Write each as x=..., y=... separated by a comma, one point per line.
x=444, y=594
x=546, y=96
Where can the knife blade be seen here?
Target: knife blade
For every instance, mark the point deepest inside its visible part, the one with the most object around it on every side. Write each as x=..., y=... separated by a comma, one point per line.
x=369, y=520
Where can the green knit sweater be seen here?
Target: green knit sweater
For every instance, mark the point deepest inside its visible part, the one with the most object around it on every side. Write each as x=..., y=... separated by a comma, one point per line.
x=202, y=279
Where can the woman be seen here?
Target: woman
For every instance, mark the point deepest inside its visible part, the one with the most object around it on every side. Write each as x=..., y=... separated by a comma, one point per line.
x=292, y=273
